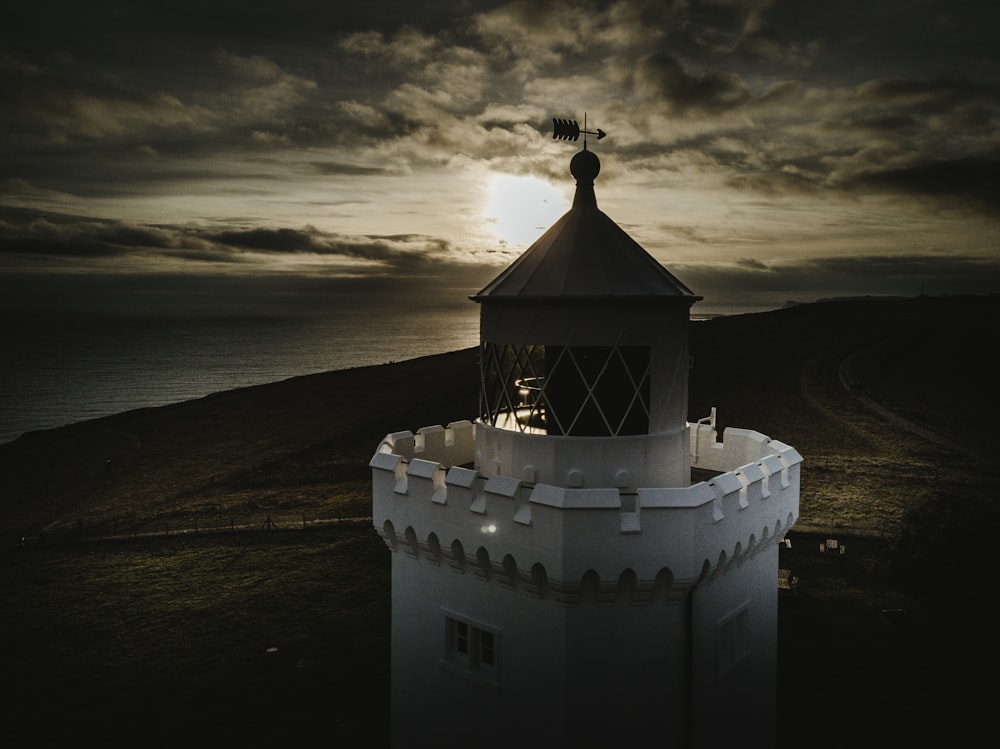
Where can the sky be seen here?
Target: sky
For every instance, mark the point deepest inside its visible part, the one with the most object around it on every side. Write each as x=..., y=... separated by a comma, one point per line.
x=763, y=150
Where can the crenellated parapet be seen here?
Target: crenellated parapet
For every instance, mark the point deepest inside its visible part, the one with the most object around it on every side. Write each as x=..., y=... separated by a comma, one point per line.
x=583, y=543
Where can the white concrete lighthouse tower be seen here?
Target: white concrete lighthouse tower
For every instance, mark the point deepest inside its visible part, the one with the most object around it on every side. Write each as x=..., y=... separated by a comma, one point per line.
x=558, y=577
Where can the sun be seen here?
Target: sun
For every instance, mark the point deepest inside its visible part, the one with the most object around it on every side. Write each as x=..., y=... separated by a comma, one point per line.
x=520, y=209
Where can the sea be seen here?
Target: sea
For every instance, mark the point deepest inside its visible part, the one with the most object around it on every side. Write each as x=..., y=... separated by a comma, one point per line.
x=62, y=369
x=68, y=369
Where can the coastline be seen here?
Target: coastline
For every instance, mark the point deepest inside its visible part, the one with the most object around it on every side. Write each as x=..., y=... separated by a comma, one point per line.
x=303, y=444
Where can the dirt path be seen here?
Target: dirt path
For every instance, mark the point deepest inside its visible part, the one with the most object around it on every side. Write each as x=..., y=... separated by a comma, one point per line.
x=852, y=384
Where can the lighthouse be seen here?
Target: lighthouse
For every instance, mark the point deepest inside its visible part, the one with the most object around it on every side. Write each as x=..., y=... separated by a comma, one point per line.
x=578, y=565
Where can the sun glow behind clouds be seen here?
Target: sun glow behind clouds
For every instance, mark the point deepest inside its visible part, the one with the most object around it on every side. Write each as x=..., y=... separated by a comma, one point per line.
x=520, y=209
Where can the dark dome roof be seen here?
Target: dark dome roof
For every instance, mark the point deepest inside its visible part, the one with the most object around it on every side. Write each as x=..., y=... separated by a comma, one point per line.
x=585, y=254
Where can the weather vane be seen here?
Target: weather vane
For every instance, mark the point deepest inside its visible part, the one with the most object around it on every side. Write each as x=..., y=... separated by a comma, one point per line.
x=563, y=129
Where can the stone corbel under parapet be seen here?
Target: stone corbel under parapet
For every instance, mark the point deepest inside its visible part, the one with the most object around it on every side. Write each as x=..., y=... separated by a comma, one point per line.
x=590, y=590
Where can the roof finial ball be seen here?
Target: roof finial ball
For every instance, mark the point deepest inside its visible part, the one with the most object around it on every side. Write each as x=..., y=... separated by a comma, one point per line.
x=585, y=166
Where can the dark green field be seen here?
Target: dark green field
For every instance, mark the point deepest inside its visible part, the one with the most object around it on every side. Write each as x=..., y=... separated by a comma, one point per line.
x=262, y=637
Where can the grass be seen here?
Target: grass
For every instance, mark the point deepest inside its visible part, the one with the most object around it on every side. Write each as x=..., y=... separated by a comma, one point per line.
x=266, y=637
x=240, y=638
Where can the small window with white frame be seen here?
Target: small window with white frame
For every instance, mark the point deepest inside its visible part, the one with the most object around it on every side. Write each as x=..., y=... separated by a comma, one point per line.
x=733, y=633
x=471, y=648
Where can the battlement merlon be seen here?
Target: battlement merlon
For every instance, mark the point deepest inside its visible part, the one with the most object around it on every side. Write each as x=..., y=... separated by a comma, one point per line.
x=425, y=481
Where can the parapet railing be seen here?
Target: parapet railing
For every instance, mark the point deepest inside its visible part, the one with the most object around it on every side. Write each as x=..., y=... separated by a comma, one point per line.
x=424, y=484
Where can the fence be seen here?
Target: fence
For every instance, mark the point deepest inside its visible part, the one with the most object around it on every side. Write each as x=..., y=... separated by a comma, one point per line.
x=97, y=529
x=100, y=529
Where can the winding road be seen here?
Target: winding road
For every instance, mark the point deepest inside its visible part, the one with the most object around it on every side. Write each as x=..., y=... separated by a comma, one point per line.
x=850, y=382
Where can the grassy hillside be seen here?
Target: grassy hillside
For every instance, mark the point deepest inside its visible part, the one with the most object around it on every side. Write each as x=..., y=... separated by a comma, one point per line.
x=274, y=636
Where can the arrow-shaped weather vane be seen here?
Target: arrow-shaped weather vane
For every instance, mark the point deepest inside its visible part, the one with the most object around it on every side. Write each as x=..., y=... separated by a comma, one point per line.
x=563, y=129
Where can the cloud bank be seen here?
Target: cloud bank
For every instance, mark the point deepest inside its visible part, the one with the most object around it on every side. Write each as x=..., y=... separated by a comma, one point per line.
x=760, y=147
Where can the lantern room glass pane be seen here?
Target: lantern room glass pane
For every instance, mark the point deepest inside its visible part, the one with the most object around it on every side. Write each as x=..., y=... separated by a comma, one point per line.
x=566, y=390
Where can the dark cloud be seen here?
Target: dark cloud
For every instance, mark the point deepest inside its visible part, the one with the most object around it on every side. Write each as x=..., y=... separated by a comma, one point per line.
x=977, y=181
x=661, y=77
x=341, y=168
x=31, y=237
x=269, y=240
x=810, y=279
x=399, y=250
x=26, y=233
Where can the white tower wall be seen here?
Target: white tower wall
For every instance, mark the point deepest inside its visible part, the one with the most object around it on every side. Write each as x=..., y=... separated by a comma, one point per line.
x=594, y=673
x=632, y=615
x=579, y=462
x=435, y=703
x=734, y=620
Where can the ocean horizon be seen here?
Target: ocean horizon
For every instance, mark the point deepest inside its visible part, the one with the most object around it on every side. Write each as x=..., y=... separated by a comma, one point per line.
x=66, y=368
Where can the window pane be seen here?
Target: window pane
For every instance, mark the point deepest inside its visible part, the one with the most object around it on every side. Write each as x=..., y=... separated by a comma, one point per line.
x=571, y=390
x=486, y=648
